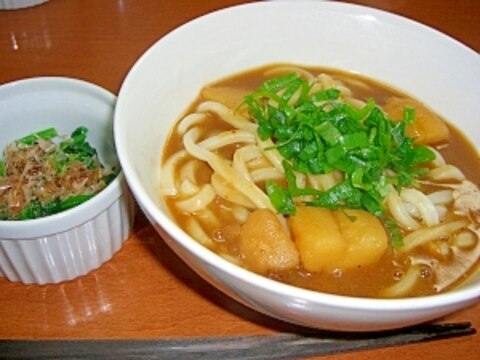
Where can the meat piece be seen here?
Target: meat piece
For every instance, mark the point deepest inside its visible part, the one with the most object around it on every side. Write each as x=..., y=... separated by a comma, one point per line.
x=265, y=244
x=466, y=197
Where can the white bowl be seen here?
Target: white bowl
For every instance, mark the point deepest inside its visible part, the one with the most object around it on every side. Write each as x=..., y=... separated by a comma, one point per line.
x=19, y=4
x=394, y=50
x=71, y=243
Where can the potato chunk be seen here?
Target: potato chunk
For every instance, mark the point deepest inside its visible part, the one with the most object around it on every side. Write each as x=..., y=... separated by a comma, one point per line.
x=367, y=238
x=428, y=128
x=229, y=96
x=330, y=239
x=318, y=238
x=265, y=244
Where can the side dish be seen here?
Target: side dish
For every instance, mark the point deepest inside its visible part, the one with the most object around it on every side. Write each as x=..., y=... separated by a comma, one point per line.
x=44, y=173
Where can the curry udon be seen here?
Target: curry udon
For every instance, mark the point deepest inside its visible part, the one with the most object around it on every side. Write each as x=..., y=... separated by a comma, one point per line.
x=326, y=180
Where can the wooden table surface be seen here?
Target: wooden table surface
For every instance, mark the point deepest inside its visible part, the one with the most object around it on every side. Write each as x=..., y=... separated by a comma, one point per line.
x=145, y=291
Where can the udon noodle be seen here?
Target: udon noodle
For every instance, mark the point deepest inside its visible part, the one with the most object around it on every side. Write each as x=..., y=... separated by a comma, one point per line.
x=222, y=179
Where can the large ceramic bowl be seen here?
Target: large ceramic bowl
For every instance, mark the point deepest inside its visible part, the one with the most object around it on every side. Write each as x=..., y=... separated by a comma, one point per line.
x=71, y=243
x=394, y=50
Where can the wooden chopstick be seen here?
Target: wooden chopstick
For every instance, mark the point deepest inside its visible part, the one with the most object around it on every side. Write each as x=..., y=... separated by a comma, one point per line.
x=280, y=346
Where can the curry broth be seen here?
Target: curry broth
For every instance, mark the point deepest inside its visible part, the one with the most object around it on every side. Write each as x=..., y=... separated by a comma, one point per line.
x=365, y=281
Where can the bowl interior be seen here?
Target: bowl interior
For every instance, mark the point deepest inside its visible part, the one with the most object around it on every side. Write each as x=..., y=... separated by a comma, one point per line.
x=62, y=103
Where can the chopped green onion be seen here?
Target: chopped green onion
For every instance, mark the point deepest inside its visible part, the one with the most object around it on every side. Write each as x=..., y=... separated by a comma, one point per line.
x=395, y=233
x=328, y=132
x=408, y=115
x=318, y=133
x=280, y=198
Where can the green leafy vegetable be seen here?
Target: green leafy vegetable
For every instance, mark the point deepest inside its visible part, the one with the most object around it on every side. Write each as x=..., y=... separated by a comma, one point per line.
x=36, y=209
x=46, y=134
x=73, y=201
x=75, y=148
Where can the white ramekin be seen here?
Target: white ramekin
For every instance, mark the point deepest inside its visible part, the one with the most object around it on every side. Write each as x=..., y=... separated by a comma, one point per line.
x=19, y=4
x=72, y=243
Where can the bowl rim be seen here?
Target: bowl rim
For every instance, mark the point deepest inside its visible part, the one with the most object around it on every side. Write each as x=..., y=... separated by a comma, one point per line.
x=70, y=218
x=458, y=295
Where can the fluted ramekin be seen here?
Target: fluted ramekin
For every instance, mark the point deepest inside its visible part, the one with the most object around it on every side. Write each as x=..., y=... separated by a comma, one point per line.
x=19, y=4
x=72, y=243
